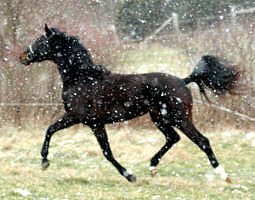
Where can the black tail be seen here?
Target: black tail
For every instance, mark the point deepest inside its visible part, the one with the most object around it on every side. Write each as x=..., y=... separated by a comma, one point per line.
x=213, y=73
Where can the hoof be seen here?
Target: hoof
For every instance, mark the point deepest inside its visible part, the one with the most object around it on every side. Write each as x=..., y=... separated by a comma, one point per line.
x=228, y=180
x=131, y=178
x=154, y=171
x=45, y=164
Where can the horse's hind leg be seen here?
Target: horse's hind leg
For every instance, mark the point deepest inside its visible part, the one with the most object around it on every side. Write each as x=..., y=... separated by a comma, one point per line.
x=171, y=138
x=192, y=133
x=102, y=139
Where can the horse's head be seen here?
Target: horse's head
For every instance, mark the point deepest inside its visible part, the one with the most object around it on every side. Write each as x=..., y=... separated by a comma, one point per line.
x=44, y=48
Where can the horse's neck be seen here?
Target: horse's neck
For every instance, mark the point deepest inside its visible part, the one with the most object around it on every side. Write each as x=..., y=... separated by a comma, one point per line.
x=76, y=65
x=80, y=72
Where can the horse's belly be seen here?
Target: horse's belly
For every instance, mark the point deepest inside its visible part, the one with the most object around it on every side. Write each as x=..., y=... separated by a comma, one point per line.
x=105, y=108
x=120, y=113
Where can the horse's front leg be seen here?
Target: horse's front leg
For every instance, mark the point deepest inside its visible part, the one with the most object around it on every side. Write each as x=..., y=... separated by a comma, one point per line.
x=102, y=139
x=65, y=122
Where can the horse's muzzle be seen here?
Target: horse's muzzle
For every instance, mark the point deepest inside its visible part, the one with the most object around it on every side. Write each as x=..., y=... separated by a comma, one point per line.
x=24, y=59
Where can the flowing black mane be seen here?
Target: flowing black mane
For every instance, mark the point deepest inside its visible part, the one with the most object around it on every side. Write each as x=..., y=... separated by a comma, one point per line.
x=73, y=51
x=73, y=60
x=94, y=96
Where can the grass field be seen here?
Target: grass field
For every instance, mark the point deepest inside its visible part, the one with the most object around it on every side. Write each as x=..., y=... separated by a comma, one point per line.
x=79, y=171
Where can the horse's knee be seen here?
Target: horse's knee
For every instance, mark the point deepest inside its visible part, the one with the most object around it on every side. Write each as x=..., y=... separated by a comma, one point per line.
x=173, y=139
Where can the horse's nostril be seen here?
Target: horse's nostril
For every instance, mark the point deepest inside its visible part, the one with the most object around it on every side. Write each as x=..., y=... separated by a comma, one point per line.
x=24, y=59
x=23, y=56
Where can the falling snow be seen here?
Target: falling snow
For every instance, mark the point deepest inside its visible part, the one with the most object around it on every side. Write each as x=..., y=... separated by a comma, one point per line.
x=31, y=96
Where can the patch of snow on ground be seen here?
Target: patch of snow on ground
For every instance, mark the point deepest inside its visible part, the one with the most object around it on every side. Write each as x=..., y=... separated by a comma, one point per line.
x=22, y=192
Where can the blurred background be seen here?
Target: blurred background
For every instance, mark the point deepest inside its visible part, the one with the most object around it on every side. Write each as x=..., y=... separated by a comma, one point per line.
x=131, y=36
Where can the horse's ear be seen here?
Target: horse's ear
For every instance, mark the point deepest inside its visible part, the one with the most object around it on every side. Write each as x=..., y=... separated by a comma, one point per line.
x=47, y=31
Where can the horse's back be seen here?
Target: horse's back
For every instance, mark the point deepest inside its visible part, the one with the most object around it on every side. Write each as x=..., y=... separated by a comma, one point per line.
x=155, y=83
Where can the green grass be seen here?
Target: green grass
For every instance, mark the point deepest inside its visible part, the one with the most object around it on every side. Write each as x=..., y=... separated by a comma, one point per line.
x=79, y=171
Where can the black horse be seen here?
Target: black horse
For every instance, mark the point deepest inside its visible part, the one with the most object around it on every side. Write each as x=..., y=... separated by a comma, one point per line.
x=94, y=96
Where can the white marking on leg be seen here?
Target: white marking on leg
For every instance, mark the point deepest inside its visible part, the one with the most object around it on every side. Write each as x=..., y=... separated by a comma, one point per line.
x=152, y=168
x=126, y=173
x=220, y=170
